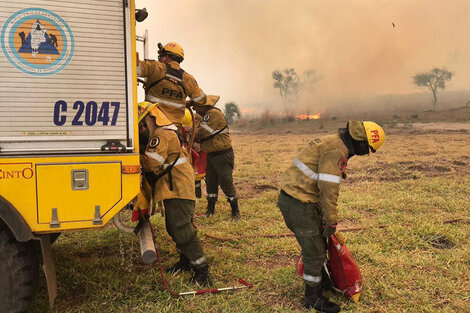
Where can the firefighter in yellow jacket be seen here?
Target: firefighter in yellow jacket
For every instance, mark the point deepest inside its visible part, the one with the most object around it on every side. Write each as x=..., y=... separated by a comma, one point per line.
x=213, y=134
x=168, y=84
x=167, y=169
x=309, y=195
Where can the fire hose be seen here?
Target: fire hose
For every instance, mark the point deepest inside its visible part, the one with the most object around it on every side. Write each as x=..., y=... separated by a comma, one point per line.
x=281, y=235
x=194, y=292
x=147, y=225
x=150, y=253
x=347, y=229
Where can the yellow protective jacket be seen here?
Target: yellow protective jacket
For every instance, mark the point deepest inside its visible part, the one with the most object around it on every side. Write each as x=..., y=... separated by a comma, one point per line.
x=213, y=132
x=315, y=174
x=162, y=151
x=169, y=85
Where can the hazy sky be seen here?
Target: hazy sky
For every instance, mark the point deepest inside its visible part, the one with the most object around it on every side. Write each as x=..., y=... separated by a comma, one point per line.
x=232, y=46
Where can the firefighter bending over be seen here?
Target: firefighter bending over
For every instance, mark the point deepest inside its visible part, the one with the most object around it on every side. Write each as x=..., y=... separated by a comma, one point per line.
x=214, y=136
x=309, y=194
x=166, y=168
x=168, y=84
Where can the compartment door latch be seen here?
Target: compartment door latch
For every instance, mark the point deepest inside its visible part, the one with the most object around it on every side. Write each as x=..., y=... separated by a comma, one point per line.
x=80, y=179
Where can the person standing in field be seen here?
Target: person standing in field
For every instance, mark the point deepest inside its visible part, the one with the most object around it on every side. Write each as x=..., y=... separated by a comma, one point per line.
x=213, y=134
x=170, y=178
x=168, y=84
x=309, y=195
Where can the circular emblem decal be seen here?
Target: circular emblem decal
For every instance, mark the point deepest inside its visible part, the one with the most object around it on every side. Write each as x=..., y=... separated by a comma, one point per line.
x=154, y=142
x=206, y=117
x=37, y=42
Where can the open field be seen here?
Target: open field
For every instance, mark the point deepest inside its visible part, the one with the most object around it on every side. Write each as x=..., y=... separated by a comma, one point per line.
x=416, y=181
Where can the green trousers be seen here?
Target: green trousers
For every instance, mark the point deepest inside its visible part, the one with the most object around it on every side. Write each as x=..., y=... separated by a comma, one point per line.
x=305, y=221
x=219, y=171
x=179, y=215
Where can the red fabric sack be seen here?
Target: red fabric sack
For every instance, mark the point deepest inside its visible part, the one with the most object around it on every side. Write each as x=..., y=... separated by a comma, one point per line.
x=343, y=268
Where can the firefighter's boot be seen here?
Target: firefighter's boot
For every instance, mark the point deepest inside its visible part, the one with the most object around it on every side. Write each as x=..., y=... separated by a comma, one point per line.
x=198, y=189
x=211, y=206
x=235, y=211
x=315, y=300
x=183, y=265
x=201, y=276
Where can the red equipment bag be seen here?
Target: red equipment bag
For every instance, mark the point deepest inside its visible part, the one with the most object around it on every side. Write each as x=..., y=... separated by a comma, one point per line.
x=342, y=268
x=200, y=165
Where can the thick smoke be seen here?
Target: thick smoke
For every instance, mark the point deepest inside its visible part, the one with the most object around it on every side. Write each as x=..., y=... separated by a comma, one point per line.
x=361, y=48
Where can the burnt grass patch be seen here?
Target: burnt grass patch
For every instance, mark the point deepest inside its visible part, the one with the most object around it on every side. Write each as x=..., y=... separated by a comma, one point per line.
x=440, y=242
x=250, y=191
x=397, y=171
x=442, y=169
x=265, y=187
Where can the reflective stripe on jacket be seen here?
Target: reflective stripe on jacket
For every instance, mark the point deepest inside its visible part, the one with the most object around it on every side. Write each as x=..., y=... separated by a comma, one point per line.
x=162, y=150
x=172, y=88
x=315, y=174
x=213, y=122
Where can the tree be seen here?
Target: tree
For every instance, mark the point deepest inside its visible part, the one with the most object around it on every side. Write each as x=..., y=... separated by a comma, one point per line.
x=291, y=85
x=231, y=109
x=434, y=79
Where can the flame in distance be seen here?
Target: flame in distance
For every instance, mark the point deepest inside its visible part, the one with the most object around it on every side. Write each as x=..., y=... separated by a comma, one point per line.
x=308, y=116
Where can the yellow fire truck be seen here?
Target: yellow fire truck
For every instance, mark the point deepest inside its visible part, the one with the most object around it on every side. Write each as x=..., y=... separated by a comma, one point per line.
x=69, y=156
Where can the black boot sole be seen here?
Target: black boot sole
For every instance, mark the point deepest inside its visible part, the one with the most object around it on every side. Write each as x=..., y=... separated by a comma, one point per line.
x=309, y=305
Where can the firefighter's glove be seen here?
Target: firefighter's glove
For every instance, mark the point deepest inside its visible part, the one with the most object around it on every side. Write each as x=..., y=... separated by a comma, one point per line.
x=328, y=230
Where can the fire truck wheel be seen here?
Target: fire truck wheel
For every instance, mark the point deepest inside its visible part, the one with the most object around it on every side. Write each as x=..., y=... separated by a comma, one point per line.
x=18, y=272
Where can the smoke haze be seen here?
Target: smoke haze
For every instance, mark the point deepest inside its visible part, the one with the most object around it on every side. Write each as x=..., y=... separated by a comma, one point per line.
x=232, y=47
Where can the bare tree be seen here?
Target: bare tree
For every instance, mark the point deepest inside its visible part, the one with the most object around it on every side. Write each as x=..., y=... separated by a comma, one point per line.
x=434, y=79
x=291, y=85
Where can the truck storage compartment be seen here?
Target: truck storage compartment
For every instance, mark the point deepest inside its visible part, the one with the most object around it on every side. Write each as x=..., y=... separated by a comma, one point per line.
x=77, y=192
x=65, y=78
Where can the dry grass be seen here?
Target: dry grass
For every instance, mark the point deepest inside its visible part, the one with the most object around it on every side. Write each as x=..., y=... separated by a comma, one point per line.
x=420, y=178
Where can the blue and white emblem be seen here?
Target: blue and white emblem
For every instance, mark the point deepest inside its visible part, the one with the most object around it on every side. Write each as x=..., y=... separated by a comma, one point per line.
x=37, y=42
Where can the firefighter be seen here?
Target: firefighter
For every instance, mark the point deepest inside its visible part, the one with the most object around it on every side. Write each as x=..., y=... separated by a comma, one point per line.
x=213, y=134
x=309, y=194
x=198, y=157
x=168, y=84
x=166, y=167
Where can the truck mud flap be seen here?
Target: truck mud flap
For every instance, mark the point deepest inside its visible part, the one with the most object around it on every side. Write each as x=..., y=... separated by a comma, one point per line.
x=49, y=267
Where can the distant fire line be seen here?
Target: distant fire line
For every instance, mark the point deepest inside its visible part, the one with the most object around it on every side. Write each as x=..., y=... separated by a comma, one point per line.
x=308, y=116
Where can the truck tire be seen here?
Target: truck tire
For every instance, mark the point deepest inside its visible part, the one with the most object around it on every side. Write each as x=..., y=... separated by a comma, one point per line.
x=18, y=272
